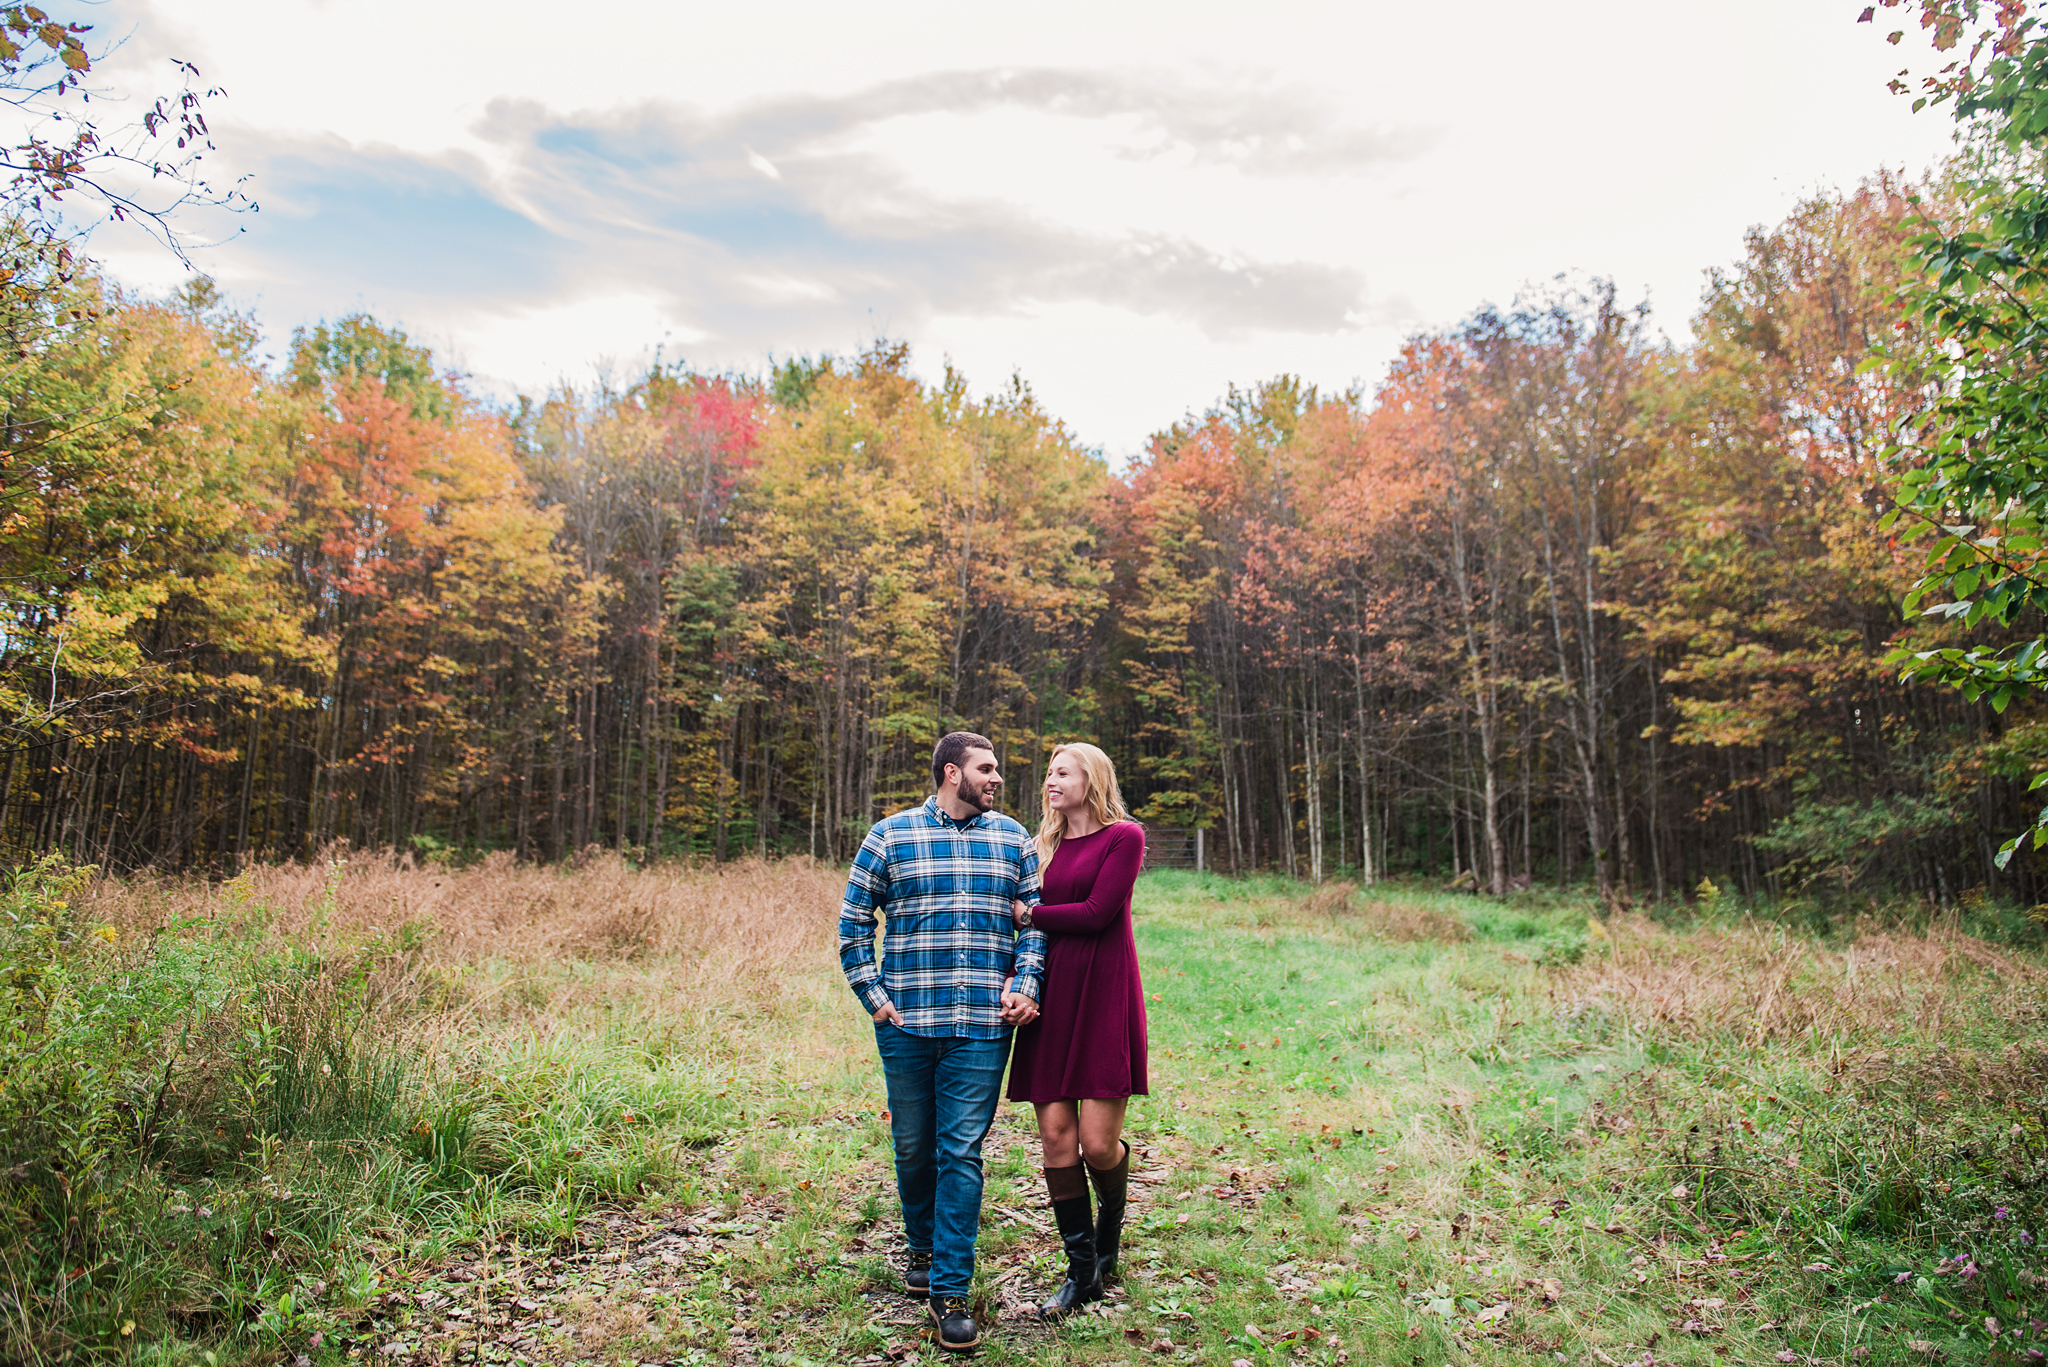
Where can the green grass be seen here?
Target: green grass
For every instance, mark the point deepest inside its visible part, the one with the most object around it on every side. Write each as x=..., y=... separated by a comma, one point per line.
x=1392, y=1127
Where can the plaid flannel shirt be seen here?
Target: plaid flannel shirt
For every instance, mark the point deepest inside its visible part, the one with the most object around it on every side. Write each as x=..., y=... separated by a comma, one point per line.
x=951, y=945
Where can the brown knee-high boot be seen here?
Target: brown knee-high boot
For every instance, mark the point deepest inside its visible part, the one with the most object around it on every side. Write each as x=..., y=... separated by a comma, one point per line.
x=1069, y=1192
x=1112, y=1187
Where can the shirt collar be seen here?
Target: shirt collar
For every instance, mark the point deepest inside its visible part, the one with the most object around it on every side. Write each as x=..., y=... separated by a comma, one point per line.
x=931, y=804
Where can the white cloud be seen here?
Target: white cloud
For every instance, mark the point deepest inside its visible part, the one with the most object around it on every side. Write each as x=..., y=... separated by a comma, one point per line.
x=1135, y=204
x=617, y=333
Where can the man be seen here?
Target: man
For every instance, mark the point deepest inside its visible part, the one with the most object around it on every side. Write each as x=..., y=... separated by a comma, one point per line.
x=957, y=977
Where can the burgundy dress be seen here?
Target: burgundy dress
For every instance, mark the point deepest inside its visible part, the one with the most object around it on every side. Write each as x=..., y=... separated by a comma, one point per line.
x=1089, y=1038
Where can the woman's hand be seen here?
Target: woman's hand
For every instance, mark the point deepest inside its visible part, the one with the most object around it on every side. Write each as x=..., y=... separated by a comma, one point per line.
x=1020, y=913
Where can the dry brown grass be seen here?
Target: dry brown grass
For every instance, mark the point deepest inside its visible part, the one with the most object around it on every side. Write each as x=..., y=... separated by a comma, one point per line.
x=728, y=922
x=1400, y=922
x=1941, y=1079
x=1761, y=983
x=1408, y=924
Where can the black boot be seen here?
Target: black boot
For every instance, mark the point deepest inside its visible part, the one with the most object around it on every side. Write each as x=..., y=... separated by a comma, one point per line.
x=1076, y=1223
x=1112, y=1187
x=917, y=1275
x=954, y=1324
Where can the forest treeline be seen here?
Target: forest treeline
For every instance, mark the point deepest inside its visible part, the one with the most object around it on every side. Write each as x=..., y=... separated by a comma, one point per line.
x=1555, y=601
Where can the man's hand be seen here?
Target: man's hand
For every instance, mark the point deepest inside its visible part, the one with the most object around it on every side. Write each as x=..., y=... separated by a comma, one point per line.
x=1018, y=1009
x=889, y=1014
x=1020, y=913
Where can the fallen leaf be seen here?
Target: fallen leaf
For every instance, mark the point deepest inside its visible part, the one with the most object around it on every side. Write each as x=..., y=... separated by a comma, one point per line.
x=1134, y=1334
x=1414, y=1331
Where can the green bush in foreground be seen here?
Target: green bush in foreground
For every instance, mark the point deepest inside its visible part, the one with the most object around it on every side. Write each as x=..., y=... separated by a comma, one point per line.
x=203, y=1138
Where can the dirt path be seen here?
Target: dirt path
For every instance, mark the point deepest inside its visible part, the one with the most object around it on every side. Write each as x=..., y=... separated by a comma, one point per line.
x=662, y=1286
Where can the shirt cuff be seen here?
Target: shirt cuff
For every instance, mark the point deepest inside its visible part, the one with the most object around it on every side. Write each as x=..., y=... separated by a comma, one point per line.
x=1025, y=985
x=872, y=997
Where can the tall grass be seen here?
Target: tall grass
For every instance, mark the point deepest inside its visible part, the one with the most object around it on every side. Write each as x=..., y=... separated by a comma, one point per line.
x=713, y=925
x=1875, y=1102
x=214, y=1097
x=239, y=1120
x=1757, y=981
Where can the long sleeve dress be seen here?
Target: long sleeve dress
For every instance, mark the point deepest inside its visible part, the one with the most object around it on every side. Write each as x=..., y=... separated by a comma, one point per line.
x=1089, y=1038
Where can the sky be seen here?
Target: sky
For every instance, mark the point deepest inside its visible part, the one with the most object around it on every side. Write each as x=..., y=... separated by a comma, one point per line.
x=1132, y=206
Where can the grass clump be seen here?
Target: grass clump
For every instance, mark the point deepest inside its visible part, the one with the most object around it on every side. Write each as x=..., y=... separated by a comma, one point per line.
x=232, y=1113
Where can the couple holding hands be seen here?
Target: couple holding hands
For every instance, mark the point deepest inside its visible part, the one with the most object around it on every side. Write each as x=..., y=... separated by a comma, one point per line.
x=991, y=933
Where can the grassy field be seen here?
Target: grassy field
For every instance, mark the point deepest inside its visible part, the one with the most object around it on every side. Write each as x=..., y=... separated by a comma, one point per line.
x=352, y=1112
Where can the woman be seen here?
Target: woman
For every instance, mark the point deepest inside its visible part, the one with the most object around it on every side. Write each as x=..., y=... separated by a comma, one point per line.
x=1083, y=1060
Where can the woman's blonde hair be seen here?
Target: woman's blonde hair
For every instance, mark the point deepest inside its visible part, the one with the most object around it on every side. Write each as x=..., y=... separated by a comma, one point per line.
x=1105, y=802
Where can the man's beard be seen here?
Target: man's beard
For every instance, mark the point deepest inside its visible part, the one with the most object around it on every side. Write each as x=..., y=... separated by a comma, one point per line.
x=973, y=796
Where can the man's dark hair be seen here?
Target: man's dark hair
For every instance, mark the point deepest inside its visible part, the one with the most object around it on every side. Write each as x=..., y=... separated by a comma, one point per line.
x=951, y=749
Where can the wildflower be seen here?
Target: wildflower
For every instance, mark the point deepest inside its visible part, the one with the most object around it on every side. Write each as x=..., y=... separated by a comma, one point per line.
x=1969, y=1269
x=2001, y=1213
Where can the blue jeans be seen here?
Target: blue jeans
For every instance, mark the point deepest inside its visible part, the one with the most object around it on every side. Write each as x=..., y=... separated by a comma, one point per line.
x=942, y=1099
